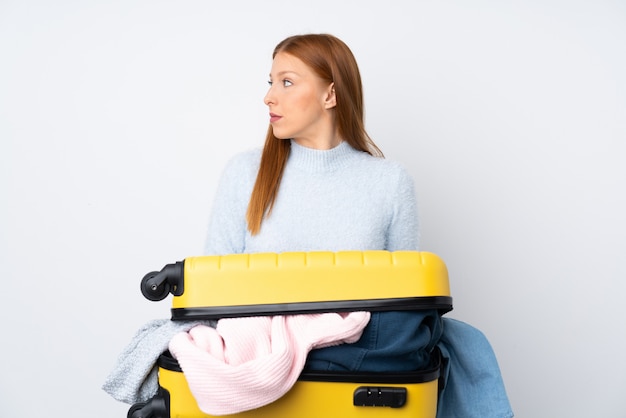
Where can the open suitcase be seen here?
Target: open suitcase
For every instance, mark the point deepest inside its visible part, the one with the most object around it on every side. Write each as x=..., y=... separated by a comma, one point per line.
x=213, y=287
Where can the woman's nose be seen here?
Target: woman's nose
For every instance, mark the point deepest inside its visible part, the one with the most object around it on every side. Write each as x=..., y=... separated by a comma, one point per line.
x=269, y=98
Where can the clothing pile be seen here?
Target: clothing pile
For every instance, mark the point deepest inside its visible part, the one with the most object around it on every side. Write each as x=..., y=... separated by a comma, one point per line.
x=238, y=365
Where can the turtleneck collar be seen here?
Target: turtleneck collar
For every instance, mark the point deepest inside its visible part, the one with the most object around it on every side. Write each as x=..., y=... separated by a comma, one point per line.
x=316, y=160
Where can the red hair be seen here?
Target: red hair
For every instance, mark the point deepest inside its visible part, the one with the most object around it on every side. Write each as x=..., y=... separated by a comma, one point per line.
x=331, y=59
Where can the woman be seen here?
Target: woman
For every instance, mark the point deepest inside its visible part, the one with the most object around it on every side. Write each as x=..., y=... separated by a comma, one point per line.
x=316, y=185
x=320, y=183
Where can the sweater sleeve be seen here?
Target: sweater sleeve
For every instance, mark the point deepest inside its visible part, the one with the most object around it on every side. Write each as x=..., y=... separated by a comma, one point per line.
x=403, y=233
x=227, y=223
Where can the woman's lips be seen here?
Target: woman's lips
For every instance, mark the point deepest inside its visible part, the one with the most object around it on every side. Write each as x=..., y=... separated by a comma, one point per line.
x=274, y=117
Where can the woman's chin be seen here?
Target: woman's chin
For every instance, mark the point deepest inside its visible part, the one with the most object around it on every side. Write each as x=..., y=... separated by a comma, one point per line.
x=281, y=135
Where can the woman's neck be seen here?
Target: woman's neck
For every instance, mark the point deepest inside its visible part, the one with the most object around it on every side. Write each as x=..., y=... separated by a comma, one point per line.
x=321, y=142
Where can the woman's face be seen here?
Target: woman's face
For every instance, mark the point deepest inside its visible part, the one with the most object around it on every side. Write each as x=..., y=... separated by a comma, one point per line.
x=300, y=104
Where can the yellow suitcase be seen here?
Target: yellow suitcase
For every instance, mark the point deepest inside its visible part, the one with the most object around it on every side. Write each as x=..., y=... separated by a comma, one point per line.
x=212, y=287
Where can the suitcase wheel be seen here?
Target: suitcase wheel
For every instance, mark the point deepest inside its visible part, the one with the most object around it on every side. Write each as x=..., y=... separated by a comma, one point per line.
x=152, y=292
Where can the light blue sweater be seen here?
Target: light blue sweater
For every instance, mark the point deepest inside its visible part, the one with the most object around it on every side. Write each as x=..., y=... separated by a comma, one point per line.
x=329, y=200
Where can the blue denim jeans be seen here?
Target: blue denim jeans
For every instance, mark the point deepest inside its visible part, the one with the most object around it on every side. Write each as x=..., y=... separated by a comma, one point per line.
x=401, y=341
x=391, y=341
x=473, y=384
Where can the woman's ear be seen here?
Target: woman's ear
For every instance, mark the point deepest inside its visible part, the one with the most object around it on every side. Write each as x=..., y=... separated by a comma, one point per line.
x=331, y=99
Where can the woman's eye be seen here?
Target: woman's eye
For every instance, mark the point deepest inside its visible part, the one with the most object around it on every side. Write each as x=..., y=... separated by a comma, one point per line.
x=286, y=83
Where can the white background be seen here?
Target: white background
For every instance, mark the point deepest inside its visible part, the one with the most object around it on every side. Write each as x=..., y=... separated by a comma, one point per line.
x=116, y=118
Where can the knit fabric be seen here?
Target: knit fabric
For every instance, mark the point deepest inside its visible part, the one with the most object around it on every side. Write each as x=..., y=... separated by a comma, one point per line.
x=134, y=378
x=329, y=200
x=245, y=363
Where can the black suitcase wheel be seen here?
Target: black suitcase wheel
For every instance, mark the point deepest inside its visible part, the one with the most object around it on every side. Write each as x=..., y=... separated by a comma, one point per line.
x=157, y=407
x=152, y=292
x=135, y=411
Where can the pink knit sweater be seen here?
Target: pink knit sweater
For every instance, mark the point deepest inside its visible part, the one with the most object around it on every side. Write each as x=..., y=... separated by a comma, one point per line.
x=245, y=363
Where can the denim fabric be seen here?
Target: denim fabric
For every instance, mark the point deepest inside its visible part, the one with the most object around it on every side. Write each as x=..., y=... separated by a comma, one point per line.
x=392, y=341
x=473, y=384
x=401, y=341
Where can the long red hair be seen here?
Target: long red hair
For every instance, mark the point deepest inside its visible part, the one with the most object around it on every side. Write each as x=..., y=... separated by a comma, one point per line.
x=331, y=59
